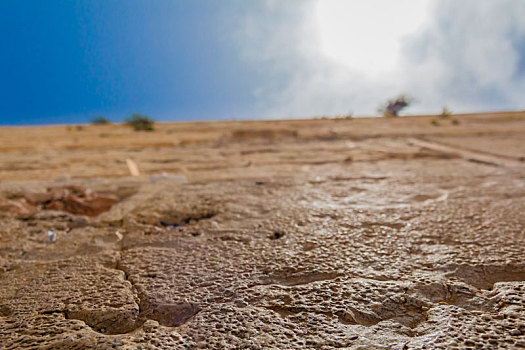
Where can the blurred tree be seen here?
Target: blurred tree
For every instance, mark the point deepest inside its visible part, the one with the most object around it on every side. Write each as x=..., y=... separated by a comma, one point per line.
x=394, y=106
x=100, y=120
x=140, y=122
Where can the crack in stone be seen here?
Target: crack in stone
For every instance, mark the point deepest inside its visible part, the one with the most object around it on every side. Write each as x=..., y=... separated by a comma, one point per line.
x=167, y=314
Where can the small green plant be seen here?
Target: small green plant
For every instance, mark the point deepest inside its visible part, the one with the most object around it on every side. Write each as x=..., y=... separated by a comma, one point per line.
x=445, y=113
x=455, y=121
x=100, y=120
x=435, y=122
x=140, y=122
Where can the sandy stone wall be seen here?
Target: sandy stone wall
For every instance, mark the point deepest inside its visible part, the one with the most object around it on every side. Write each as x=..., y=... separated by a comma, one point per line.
x=333, y=234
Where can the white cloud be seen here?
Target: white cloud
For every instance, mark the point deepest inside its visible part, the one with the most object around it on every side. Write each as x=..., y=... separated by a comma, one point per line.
x=469, y=55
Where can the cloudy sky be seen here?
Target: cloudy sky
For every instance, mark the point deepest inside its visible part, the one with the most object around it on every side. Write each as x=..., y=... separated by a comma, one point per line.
x=67, y=61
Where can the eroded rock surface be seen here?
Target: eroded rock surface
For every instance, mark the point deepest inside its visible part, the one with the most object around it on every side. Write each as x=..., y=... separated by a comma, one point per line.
x=384, y=245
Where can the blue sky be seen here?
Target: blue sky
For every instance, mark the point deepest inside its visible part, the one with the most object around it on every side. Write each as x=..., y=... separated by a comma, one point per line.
x=67, y=61
x=70, y=60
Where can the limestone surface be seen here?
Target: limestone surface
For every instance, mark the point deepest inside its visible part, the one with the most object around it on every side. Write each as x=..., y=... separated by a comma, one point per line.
x=293, y=235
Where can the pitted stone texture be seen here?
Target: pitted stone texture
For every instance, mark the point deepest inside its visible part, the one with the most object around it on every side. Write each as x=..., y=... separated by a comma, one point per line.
x=451, y=327
x=331, y=268
x=418, y=250
x=508, y=298
x=49, y=331
x=188, y=278
x=91, y=290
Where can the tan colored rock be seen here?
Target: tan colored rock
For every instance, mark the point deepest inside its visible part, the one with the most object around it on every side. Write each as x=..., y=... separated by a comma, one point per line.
x=411, y=245
x=16, y=207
